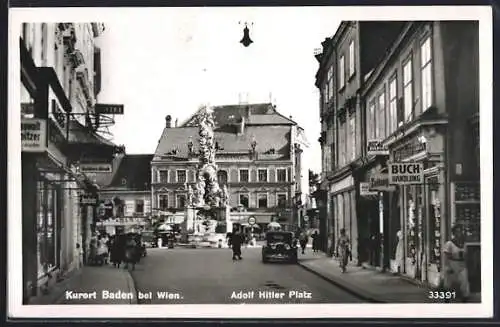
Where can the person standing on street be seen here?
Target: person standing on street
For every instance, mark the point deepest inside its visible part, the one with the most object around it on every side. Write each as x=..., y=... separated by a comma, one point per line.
x=343, y=245
x=236, y=240
x=315, y=241
x=303, y=239
x=455, y=277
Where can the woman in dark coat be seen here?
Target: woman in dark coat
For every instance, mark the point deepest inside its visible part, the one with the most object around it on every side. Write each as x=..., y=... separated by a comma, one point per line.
x=132, y=253
x=117, y=250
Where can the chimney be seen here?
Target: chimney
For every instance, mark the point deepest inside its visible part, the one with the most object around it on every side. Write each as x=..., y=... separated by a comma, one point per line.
x=168, y=121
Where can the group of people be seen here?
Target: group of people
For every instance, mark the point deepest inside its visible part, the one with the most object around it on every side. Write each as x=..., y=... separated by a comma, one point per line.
x=116, y=249
x=454, y=275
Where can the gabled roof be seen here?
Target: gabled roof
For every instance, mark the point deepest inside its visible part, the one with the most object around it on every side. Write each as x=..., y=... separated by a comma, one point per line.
x=268, y=137
x=133, y=173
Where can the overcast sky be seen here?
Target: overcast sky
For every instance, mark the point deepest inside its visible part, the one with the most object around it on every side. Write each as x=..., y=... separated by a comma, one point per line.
x=173, y=63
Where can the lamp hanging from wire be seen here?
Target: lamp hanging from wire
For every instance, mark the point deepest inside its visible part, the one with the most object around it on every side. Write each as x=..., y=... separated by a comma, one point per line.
x=246, y=40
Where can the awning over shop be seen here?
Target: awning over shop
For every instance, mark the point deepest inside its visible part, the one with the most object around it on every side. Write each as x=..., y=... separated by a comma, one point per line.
x=83, y=142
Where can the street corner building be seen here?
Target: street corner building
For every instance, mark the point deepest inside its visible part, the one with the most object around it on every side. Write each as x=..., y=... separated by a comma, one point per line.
x=62, y=147
x=259, y=160
x=125, y=195
x=400, y=142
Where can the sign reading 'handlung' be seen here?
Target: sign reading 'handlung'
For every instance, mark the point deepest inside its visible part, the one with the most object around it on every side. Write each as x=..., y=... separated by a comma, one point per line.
x=406, y=173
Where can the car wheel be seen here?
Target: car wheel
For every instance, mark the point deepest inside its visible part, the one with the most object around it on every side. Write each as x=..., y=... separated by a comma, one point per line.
x=264, y=260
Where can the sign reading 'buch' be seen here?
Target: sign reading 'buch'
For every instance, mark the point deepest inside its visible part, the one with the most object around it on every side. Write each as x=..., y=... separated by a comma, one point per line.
x=402, y=173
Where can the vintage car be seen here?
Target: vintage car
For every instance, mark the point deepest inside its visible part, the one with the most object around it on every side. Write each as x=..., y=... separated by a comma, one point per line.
x=280, y=246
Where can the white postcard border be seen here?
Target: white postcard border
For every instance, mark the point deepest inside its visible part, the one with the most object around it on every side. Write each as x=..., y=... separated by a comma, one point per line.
x=14, y=234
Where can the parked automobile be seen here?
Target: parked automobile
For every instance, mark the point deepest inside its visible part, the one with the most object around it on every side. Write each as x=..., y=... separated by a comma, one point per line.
x=280, y=246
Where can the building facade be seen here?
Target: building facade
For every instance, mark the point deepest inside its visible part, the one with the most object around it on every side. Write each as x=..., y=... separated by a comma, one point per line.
x=258, y=153
x=125, y=195
x=60, y=80
x=345, y=61
x=422, y=104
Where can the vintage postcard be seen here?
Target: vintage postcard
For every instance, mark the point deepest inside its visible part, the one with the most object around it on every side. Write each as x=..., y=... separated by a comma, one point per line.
x=289, y=162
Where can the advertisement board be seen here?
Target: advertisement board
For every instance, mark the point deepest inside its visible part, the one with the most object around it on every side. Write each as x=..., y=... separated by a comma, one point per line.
x=376, y=148
x=364, y=189
x=33, y=135
x=406, y=173
x=88, y=199
x=380, y=182
x=96, y=168
x=109, y=109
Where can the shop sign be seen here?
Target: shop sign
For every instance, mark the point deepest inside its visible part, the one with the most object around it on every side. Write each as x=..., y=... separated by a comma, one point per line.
x=364, y=189
x=96, y=168
x=404, y=173
x=380, y=182
x=109, y=109
x=33, y=135
x=376, y=148
x=88, y=199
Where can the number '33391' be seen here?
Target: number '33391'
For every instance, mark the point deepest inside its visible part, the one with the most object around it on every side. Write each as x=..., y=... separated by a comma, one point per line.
x=437, y=295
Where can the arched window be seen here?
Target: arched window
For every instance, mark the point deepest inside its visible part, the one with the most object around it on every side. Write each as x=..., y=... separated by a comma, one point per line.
x=222, y=177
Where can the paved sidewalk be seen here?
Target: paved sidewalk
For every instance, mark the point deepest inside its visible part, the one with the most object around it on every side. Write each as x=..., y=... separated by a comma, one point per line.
x=370, y=284
x=92, y=279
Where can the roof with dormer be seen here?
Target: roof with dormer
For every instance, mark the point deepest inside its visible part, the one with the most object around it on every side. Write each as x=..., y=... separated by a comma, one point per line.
x=270, y=139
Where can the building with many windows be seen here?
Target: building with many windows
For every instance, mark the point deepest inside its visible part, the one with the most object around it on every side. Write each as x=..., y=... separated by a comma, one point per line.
x=258, y=153
x=344, y=63
x=125, y=195
x=422, y=104
x=60, y=81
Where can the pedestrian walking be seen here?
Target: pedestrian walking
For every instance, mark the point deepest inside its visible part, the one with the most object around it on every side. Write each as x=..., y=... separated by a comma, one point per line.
x=315, y=241
x=303, y=239
x=455, y=277
x=237, y=239
x=399, y=252
x=344, y=247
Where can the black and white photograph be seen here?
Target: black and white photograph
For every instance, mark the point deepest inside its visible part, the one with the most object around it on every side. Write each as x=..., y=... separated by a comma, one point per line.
x=276, y=162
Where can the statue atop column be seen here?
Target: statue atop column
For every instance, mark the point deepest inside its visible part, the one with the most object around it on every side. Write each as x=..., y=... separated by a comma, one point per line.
x=208, y=191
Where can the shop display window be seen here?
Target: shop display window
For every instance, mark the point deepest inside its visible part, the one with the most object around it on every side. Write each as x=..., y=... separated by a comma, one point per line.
x=46, y=228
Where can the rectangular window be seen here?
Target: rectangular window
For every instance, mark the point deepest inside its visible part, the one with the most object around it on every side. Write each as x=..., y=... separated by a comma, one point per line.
x=332, y=156
x=408, y=90
x=325, y=94
x=163, y=176
x=243, y=200
x=44, y=44
x=181, y=176
x=281, y=174
x=281, y=200
x=262, y=175
x=371, y=120
x=426, y=71
x=380, y=119
x=342, y=144
x=352, y=136
x=262, y=200
x=244, y=175
x=139, y=206
x=330, y=83
x=393, y=106
x=163, y=201
x=181, y=201
x=351, y=59
x=341, y=72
